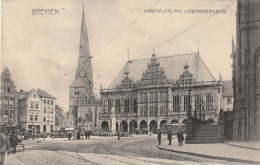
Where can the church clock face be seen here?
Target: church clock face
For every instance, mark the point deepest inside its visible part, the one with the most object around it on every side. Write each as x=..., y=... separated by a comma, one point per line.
x=82, y=73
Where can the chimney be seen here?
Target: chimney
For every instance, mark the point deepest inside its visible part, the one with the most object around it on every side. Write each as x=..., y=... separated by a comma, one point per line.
x=21, y=91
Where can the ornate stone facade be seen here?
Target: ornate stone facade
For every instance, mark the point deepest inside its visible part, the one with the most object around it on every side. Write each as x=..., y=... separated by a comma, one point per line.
x=246, y=71
x=9, y=101
x=151, y=92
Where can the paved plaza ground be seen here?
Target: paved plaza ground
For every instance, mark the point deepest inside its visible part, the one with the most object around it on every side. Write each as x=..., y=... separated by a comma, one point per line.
x=140, y=149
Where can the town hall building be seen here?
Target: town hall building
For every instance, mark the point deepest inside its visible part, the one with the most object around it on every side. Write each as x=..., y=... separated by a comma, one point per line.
x=149, y=93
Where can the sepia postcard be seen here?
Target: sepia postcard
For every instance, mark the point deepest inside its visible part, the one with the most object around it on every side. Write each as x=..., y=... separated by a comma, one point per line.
x=130, y=82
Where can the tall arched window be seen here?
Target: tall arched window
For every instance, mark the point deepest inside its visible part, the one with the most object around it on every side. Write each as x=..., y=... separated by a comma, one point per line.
x=89, y=116
x=258, y=70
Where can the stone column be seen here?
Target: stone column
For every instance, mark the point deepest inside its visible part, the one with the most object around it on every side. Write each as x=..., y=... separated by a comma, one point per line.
x=169, y=100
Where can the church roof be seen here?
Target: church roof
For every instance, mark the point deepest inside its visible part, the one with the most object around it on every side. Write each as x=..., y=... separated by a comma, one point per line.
x=227, y=88
x=172, y=65
x=78, y=82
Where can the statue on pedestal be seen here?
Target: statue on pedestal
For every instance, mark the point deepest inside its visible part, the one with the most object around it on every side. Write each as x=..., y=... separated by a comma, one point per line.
x=113, y=120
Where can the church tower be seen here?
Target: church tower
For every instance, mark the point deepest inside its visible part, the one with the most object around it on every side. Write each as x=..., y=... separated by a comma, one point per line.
x=81, y=94
x=246, y=71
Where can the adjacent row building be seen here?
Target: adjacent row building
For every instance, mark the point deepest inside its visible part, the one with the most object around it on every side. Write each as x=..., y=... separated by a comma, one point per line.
x=9, y=101
x=31, y=110
x=37, y=111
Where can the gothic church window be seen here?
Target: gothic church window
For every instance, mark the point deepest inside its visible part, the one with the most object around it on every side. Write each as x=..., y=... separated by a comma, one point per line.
x=89, y=116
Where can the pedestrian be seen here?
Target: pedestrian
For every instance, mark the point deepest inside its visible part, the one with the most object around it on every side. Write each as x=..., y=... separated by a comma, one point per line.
x=89, y=134
x=74, y=134
x=118, y=135
x=169, y=135
x=78, y=135
x=86, y=134
x=180, y=137
x=159, y=136
x=82, y=134
x=4, y=146
x=13, y=141
x=69, y=135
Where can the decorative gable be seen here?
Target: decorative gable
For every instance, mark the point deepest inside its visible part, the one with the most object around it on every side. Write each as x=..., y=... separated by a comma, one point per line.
x=126, y=82
x=154, y=74
x=186, y=78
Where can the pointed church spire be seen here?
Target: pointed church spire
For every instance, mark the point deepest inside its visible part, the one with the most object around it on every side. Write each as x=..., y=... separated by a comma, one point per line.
x=84, y=68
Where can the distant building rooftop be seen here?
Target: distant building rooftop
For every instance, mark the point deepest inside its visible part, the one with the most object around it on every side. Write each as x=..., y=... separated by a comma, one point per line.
x=227, y=89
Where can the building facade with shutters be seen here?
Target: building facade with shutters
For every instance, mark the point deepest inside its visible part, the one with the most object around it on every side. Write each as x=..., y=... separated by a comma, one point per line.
x=148, y=93
x=9, y=101
x=36, y=111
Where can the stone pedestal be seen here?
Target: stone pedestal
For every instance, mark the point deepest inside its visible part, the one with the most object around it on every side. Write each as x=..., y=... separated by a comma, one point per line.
x=188, y=131
x=113, y=121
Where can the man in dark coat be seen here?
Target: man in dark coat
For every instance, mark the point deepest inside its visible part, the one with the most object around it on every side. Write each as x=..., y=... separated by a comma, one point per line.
x=118, y=135
x=13, y=141
x=159, y=137
x=169, y=137
x=180, y=138
x=69, y=135
x=86, y=134
x=78, y=135
x=89, y=132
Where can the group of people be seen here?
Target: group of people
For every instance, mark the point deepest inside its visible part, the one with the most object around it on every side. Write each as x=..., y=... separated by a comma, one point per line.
x=180, y=137
x=8, y=143
x=79, y=133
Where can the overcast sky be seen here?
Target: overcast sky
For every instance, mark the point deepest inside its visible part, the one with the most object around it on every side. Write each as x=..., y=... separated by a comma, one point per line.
x=41, y=51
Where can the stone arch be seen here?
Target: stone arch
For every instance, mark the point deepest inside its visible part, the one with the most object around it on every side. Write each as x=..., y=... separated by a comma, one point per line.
x=124, y=126
x=105, y=125
x=153, y=126
x=174, y=121
x=132, y=126
x=210, y=121
x=162, y=123
x=143, y=125
x=184, y=121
